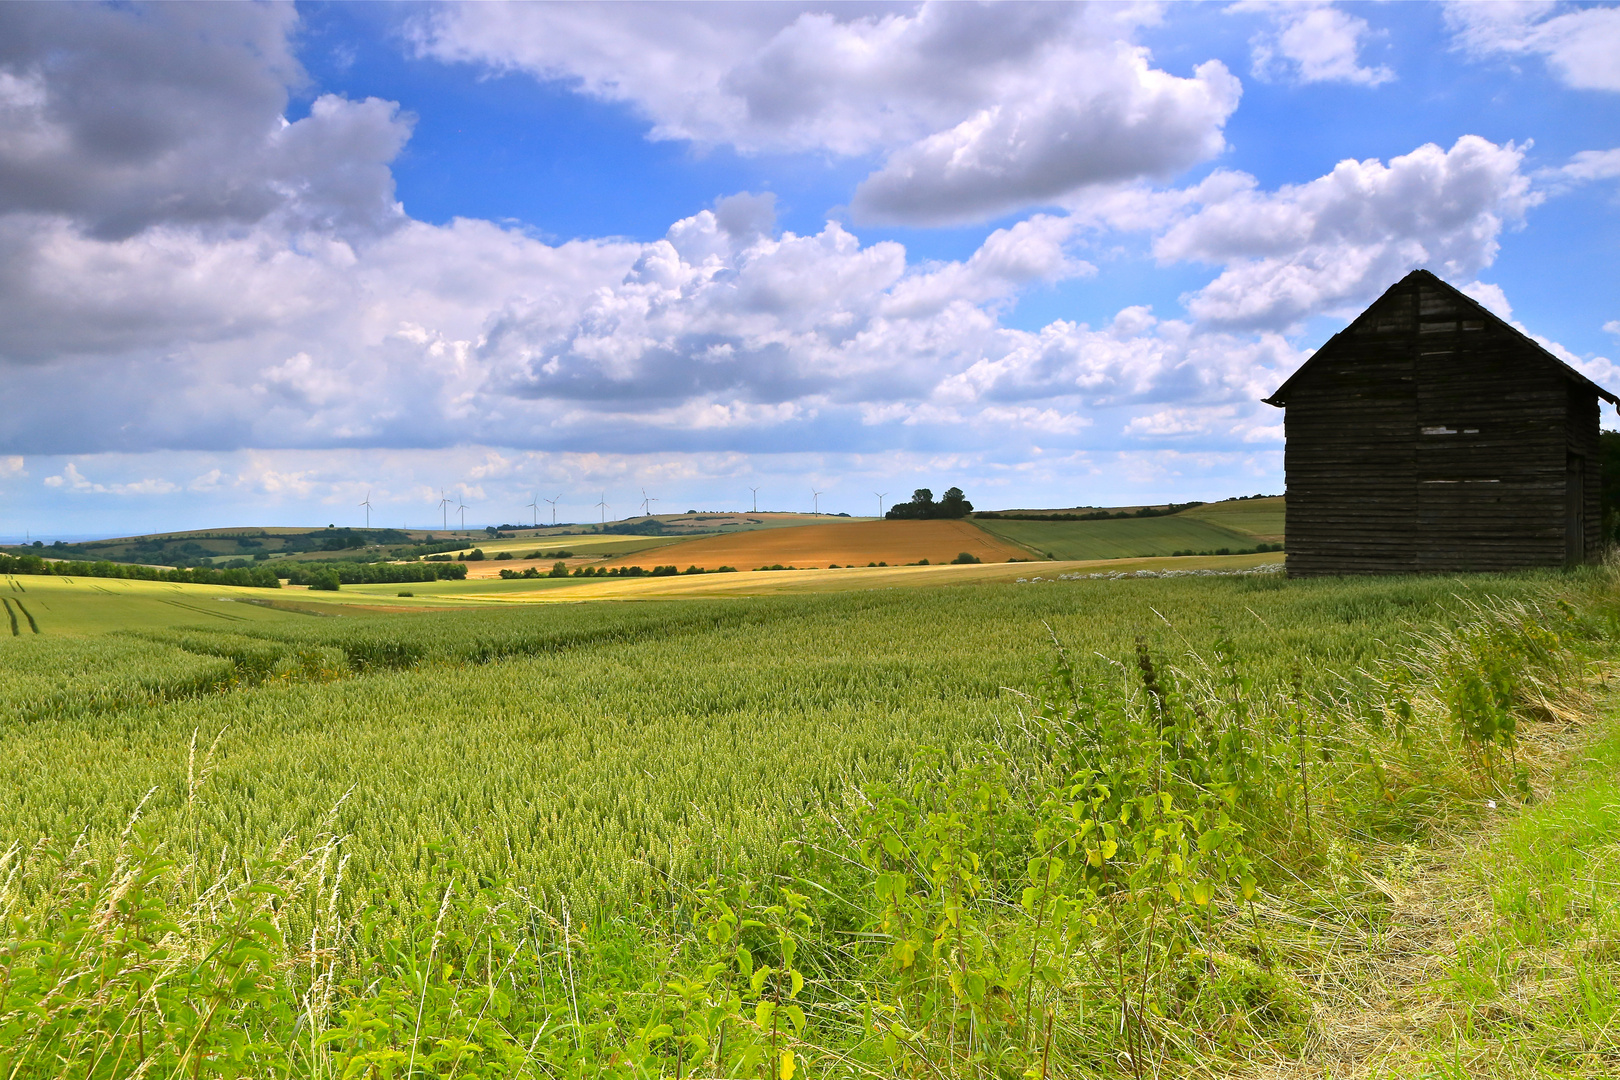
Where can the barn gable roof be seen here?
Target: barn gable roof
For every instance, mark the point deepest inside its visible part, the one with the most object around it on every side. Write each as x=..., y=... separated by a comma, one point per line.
x=1280, y=397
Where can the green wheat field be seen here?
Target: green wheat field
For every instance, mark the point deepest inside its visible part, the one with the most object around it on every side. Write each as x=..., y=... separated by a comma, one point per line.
x=1057, y=828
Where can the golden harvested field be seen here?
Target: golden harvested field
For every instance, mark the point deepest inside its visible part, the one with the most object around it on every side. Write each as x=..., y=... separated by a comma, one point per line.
x=846, y=543
x=584, y=542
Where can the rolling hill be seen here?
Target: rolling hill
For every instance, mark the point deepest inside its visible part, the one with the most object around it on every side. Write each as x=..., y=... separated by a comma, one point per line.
x=1235, y=525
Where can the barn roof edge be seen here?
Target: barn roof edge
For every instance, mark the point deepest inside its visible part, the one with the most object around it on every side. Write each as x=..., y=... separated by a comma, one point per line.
x=1279, y=399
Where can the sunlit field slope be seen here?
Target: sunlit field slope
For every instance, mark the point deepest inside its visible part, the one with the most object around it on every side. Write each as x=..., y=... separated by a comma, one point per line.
x=78, y=605
x=1119, y=538
x=1263, y=519
x=81, y=606
x=856, y=542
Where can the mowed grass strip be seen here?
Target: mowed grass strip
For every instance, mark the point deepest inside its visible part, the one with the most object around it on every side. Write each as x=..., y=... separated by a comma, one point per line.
x=1119, y=538
x=845, y=543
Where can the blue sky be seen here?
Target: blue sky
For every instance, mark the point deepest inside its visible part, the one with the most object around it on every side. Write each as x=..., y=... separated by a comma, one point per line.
x=262, y=260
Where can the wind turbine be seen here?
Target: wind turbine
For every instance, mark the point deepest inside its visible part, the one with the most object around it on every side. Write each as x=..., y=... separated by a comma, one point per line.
x=645, y=511
x=603, y=505
x=756, y=499
x=444, y=511
x=535, y=506
x=880, y=495
x=463, y=509
x=816, y=495
x=553, y=503
x=367, y=505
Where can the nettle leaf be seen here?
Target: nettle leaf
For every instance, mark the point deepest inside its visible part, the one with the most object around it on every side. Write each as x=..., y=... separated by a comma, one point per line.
x=745, y=960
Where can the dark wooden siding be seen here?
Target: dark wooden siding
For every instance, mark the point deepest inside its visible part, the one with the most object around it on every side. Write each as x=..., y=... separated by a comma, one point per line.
x=1428, y=437
x=1582, y=427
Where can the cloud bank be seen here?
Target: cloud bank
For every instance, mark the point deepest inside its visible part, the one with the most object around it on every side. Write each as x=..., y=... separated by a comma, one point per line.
x=977, y=109
x=216, y=277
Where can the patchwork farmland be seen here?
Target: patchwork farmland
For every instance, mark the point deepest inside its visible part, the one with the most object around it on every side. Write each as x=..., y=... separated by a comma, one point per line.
x=857, y=543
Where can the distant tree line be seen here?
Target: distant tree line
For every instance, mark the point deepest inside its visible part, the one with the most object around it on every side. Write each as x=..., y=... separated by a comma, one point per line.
x=922, y=506
x=257, y=577
x=188, y=549
x=558, y=569
x=1094, y=515
x=1256, y=550
x=644, y=527
x=328, y=575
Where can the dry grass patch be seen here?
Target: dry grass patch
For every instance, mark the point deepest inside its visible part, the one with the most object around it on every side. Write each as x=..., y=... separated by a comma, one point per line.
x=1488, y=950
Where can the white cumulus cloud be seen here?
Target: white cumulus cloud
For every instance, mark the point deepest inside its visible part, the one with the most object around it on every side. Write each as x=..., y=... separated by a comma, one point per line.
x=1330, y=245
x=1580, y=44
x=1311, y=43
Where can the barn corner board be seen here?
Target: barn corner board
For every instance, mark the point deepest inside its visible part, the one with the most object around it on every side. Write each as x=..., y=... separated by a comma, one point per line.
x=1431, y=436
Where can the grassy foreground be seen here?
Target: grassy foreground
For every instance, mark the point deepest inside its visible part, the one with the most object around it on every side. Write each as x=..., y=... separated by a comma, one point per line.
x=891, y=833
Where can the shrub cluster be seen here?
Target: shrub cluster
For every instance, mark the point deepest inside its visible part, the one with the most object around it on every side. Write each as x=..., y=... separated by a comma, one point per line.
x=330, y=575
x=1256, y=550
x=657, y=571
x=558, y=570
x=923, y=507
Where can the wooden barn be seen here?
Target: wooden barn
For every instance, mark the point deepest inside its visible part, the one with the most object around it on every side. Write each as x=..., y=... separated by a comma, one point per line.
x=1429, y=435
